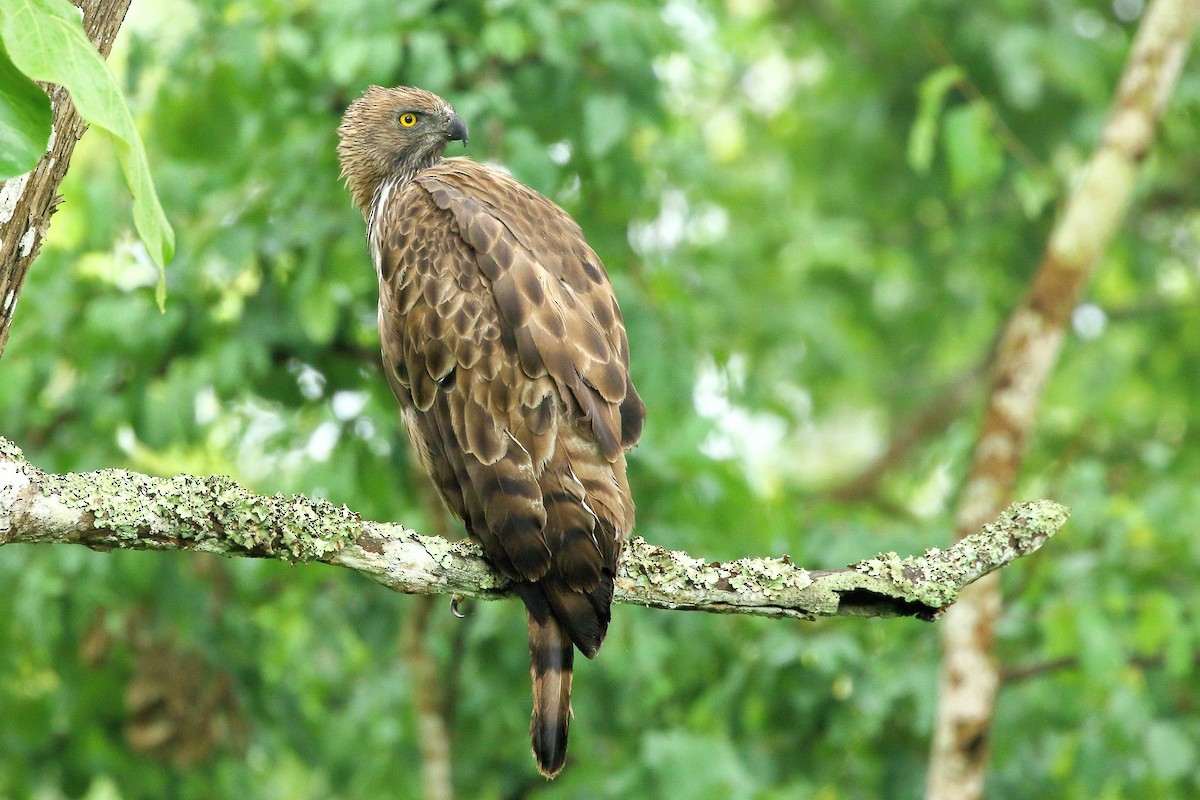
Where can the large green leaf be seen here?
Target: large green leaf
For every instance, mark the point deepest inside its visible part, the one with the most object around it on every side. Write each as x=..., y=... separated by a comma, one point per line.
x=932, y=95
x=24, y=120
x=605, y=118
x=46, y=41
x=975, y=155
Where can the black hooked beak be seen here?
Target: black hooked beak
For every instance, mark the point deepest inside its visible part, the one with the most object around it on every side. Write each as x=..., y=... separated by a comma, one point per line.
x=456, y=129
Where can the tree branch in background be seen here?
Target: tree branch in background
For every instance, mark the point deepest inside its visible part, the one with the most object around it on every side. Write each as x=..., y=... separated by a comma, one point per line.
x=27, y=202
x=114, y=509
x=427, y=681
x=1027, y=352
x=433, y=735
x=911, y=432
x=1013, y=675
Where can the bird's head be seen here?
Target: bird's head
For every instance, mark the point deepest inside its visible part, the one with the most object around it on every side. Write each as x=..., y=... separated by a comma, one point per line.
x=393, y=133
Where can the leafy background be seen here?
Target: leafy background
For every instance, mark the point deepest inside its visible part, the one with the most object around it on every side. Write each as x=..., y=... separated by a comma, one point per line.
x=816, y=216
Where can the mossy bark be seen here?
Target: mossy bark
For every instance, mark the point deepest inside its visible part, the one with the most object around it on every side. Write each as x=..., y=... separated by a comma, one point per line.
x=113, y=509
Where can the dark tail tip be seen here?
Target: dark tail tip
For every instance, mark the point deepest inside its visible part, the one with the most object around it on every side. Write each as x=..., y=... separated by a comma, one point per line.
x=550, y=664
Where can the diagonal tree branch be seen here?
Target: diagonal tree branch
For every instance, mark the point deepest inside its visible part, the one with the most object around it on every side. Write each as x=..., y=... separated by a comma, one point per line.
x=28, y=201
x=114, y=509
x=1026, y=354
x=912, y=432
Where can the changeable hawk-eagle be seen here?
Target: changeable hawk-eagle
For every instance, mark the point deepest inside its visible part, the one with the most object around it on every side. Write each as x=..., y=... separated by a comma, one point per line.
x=505, y=347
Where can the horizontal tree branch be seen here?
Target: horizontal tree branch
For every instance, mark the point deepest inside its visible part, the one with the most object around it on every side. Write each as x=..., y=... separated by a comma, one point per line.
x=114, y=509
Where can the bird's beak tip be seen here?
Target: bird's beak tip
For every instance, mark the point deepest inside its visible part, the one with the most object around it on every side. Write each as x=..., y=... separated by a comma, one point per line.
x=456, y=129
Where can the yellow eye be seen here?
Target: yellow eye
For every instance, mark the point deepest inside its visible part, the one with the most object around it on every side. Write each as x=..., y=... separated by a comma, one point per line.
x=408, y=119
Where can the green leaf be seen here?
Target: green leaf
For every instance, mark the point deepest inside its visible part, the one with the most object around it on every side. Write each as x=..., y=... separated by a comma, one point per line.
x=429, y=57
x=46, y=41
x=932, y=95
x=25, y=116
x=696, y=765
x=1170, y=750
x=1034, y=190
x=505, y=39
x=975, y=156
x=1159, y=618
x=605, y=119
x=1101, y=651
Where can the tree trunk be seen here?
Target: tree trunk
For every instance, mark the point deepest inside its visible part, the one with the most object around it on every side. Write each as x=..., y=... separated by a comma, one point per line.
x=1026, y=354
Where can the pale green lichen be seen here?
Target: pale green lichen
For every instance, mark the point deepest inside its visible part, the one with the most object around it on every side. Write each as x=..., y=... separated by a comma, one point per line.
x=932, y=579
x=935, y=578
x=10, y=451
x=768, y=576
x=115, y=508
x=655, y=569
x=1035, y=521
x=215, y=511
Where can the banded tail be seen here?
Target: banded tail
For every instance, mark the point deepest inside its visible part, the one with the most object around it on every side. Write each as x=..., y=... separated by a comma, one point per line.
x=551, y=660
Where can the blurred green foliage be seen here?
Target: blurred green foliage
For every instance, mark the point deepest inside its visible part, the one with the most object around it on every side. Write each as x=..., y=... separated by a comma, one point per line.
x=816, y=215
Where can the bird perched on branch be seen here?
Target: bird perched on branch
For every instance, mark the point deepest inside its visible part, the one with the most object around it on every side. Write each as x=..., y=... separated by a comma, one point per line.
x=504, y=344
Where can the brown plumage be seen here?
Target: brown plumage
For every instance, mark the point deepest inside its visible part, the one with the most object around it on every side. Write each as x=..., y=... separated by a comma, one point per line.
x=504, y=344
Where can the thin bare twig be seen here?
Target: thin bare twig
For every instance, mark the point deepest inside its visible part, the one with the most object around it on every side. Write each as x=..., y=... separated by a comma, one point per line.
x=912, y=432
x=1037, y=669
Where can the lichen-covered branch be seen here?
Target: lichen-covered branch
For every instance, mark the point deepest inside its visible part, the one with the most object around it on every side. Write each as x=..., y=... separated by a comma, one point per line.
x=119, y=509
x=1026, y=355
